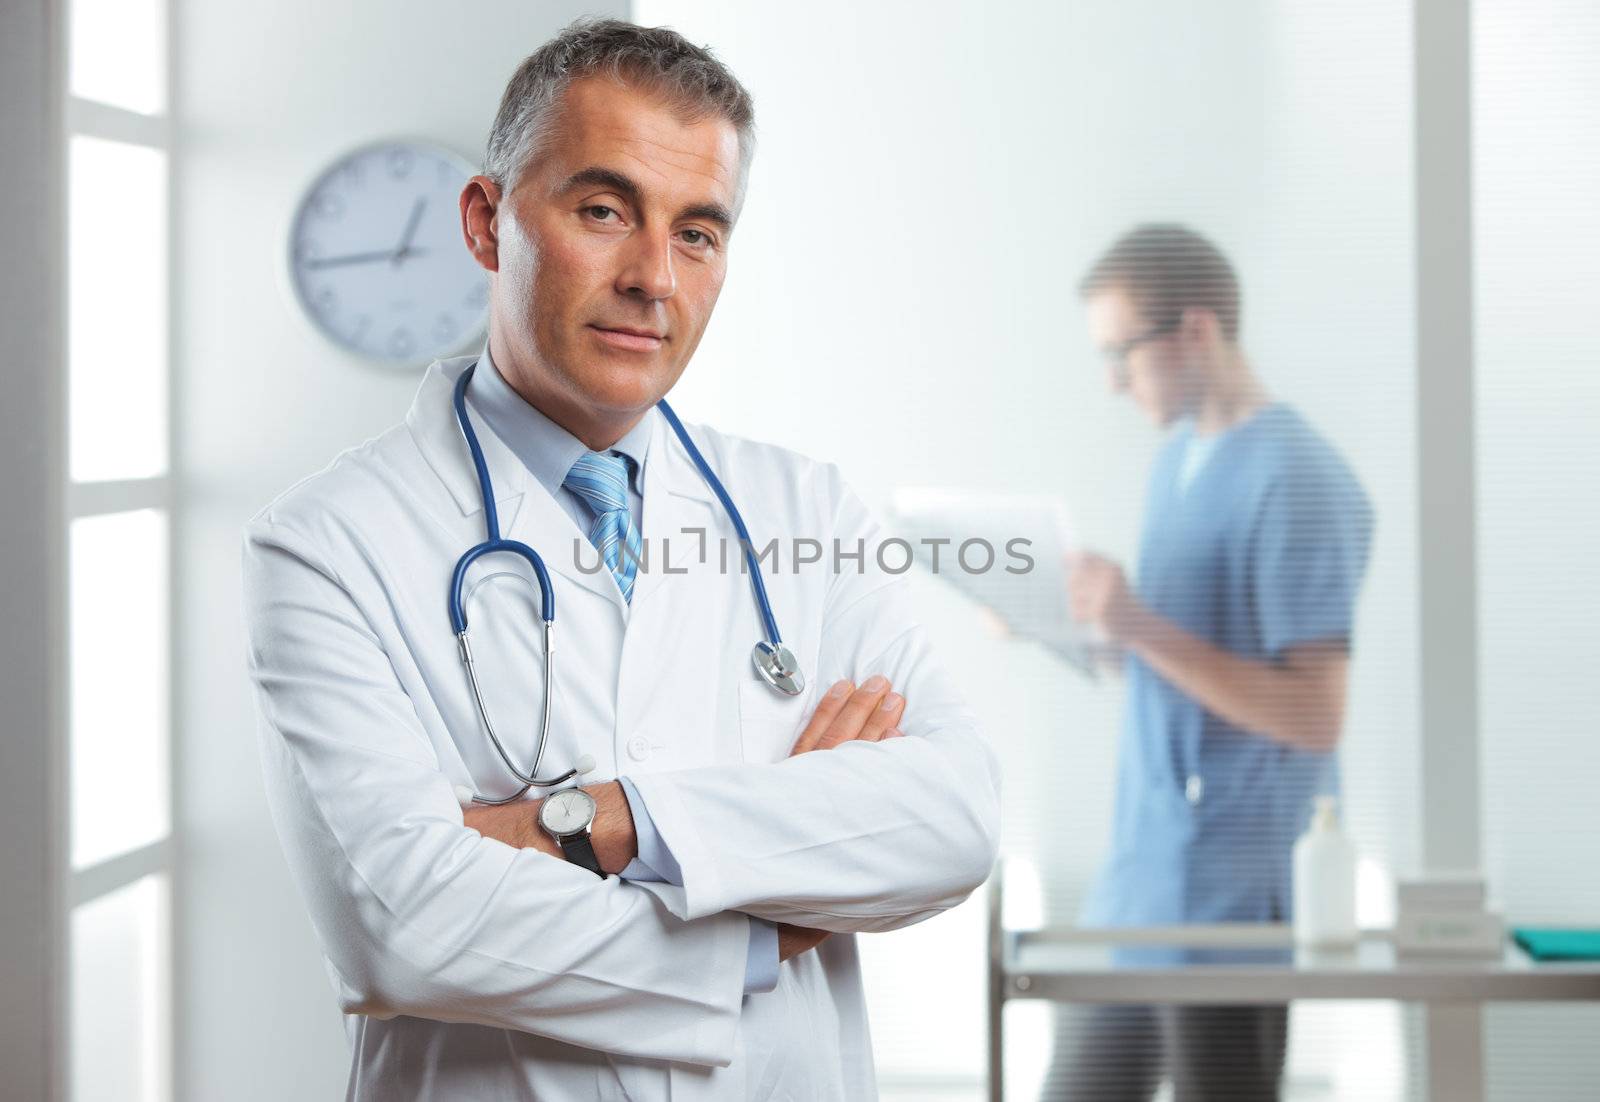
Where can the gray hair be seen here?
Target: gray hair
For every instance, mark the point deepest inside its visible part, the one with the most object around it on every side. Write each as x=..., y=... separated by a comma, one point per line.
x=657, y=60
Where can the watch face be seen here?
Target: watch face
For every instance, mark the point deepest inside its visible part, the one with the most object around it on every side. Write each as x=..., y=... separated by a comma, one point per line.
x=567, y=811
x=376, y=256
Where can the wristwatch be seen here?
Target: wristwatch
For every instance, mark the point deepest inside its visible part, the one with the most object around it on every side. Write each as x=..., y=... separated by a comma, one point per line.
x=566, y=816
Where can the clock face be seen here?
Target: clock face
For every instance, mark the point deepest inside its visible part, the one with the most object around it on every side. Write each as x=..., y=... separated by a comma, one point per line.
x=376, y=256
x=567, y=811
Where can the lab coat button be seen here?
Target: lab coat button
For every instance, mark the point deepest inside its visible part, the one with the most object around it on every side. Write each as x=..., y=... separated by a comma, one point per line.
x=1194, y=789
x=638, y=748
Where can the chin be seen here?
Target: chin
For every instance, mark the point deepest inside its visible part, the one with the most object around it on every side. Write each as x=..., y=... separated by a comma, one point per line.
x=1158, y=417
x=623, y=385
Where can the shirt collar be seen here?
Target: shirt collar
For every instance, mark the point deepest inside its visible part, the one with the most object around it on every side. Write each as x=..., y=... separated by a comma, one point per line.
x=544, y=447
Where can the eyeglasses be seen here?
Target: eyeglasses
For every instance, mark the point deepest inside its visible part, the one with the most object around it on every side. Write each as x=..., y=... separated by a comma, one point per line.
x=1117, y=354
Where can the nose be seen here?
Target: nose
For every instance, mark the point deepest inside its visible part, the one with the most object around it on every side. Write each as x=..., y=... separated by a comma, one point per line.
x=647, y=271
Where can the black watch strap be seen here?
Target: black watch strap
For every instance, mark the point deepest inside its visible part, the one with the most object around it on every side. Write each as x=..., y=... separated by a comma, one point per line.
x=580, y=851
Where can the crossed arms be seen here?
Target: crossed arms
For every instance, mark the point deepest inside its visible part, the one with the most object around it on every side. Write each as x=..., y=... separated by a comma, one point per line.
x=845, y=713
x=419, y=914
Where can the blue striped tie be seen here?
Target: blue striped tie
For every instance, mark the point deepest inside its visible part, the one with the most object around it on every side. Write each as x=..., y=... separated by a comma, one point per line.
x=601, y=479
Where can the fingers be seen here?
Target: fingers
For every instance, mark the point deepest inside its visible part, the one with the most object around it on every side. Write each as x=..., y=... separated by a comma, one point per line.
x=794, y=940
x=1084, y=585
x=849, y=714
x=883, y=718
x=827, y=708
x=1081, y=604
x=860, y=717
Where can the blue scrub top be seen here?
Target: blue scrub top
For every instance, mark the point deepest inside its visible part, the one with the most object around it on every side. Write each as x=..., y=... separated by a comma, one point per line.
x=1263, y=549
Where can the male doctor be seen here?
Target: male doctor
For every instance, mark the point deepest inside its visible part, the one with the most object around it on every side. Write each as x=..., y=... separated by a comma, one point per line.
x=1238, y=631
x=694, y=939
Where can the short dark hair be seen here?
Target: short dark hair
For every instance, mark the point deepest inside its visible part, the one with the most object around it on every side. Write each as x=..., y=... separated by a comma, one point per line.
x=1167, y=268
x=654, y=59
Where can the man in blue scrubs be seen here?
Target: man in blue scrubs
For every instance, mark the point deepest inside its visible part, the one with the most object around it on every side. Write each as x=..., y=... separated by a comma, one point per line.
x=1237, y=633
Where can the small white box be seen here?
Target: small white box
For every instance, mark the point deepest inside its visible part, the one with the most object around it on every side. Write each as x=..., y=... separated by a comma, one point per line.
x=1441, y=892
x=1449, y=933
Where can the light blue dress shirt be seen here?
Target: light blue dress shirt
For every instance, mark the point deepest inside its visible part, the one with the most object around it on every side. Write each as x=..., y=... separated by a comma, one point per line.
x=549, y=451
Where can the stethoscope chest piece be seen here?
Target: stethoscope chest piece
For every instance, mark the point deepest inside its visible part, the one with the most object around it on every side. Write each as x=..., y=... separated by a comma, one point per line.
x=778, y=667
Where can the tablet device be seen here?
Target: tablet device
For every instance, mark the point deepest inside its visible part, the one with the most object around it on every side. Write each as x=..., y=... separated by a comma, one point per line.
x=1006, y=552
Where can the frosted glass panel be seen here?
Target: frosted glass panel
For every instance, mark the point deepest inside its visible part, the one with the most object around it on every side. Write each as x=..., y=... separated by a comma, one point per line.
x=119, y=768
x=117, y=307
x=119, y=54
x=1280, y=132
x=120, y=995
x=1536, y=170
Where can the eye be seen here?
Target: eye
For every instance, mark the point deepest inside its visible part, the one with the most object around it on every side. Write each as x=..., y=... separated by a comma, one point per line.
x=598, y=212
x=697, y=238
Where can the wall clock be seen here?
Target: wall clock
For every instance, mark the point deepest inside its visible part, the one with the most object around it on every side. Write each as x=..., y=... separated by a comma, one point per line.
x=376, y=258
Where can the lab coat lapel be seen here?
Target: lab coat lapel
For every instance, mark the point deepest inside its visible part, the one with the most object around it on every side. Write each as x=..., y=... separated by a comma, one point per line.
x=527, y=512
x=546, y=527
x=677, y=501
x=432, y=421
x=673, y=698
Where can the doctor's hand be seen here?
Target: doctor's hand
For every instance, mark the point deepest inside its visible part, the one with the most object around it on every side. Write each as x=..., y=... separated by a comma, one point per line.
x=794, y=940
x=517, y=825
x=844, y=714
x=1098, y=594
x=849, y=714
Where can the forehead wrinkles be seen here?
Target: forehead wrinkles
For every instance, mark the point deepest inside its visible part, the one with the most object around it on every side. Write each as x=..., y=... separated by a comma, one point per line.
x=657, y=153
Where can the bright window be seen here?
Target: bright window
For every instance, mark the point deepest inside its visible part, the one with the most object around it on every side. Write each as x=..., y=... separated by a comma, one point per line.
x=117, y=336
x=119, y=995
x=119, y=790
x=119, y=679
x=118, y=53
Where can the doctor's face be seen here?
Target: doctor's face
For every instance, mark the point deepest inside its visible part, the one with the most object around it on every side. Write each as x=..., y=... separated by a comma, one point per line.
x=607, y=255
x=1142, y=360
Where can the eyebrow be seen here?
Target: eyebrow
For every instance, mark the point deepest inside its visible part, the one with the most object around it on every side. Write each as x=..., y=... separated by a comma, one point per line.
x=612, y=180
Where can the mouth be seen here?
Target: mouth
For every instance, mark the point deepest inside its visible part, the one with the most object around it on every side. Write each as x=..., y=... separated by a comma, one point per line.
x=629, y=338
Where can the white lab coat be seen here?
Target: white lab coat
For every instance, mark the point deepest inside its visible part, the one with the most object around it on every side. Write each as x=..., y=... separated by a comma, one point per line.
x=469, y=969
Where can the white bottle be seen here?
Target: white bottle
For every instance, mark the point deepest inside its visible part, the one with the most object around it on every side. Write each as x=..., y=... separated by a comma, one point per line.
x=1325, y=882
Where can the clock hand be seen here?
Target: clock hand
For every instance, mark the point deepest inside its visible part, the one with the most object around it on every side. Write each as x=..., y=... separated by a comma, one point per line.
x=357, y=258
x=404, y=250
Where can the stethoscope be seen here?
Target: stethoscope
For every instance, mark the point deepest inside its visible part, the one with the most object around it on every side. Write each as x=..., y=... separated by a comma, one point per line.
x=775, y=662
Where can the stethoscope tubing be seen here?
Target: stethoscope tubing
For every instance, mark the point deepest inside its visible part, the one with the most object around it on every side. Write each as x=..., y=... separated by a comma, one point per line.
x=494, y=542
x=768, y=621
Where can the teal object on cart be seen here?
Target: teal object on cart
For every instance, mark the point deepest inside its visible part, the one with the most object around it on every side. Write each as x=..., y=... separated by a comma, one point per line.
x=1547, y=943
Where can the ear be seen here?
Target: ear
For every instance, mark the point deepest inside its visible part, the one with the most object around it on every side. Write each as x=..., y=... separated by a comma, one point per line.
x=1199, y=327
x=480, y=205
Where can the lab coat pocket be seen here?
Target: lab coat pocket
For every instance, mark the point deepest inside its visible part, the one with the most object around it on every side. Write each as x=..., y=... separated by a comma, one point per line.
x=769, y=721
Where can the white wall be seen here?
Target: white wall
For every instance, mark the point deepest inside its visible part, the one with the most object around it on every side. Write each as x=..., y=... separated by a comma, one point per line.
x=267, y=94
x=931, y=181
